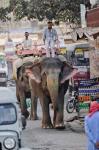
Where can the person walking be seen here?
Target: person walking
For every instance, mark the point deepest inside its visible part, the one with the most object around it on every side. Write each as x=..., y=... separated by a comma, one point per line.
x=92, y=126
x=50, y=37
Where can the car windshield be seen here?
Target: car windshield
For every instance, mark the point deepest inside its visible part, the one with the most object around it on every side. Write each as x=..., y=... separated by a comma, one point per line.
x=81, y=61
x=7, y=114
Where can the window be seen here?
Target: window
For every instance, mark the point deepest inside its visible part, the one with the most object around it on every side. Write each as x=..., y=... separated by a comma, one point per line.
x=7, y=114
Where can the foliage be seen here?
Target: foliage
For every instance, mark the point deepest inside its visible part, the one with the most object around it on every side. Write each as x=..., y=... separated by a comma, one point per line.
x=51, y=9
x=55, y=9
x=3, y=14
x=19, y=8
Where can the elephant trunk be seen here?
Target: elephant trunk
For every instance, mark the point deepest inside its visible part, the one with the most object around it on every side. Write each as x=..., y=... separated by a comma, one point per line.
x=52, y=85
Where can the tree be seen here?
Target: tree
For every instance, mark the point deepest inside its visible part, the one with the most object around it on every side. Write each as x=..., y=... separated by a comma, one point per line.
x=3, y=14
x=55, y=9
x=19, y=8
x=51, y=9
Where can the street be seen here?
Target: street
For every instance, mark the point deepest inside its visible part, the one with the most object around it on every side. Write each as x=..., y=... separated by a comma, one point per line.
x=36, y=138
x=48, y=49
x=50, y=139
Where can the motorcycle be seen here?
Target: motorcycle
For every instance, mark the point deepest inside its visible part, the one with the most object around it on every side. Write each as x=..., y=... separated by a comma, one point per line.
x=73, y=103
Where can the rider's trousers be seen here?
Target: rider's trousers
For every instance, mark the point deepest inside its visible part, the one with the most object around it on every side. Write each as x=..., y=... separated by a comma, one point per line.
x=50, y=48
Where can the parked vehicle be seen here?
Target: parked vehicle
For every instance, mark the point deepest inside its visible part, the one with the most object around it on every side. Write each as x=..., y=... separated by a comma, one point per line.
x=81, y=62
x=72, y=103
x=3, y=70
x=78, y=56
x=10, y=121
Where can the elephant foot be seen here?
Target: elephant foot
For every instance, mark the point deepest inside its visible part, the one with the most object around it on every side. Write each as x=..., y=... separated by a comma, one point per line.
x=60, y=126
x=47, y=126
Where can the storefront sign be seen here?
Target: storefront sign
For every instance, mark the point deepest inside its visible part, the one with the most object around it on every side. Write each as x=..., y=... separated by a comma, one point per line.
x=78, y=51
x=63, y=50
x=88, y=89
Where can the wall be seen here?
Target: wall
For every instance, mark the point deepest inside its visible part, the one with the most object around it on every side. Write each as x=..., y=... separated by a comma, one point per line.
x=92, y=17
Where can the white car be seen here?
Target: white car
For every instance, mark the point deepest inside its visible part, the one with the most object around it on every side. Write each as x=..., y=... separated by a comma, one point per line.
x=10, y=121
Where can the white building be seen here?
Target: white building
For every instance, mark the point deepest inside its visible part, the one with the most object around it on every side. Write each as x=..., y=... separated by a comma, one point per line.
x=93, y=2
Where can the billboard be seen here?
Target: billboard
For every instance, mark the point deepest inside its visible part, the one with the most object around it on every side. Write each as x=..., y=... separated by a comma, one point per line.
x=88, y=89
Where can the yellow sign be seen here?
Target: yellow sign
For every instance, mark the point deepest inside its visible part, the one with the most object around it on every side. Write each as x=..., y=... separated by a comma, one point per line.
x=78, y=51
x=63, y=50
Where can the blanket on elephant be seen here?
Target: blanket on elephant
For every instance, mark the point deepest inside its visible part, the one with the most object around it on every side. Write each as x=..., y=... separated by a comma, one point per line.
x=21, y=61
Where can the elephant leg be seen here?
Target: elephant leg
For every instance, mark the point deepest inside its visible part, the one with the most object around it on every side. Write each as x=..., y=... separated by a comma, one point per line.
x=18, y=98
x=59, y=122
x=23, y=104
x=54, y=118
x=46, y=120
x=33, y=115
x=58, y=119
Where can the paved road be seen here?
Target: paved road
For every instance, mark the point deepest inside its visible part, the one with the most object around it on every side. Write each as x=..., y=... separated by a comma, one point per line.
x=36, y=138
x=72, y=138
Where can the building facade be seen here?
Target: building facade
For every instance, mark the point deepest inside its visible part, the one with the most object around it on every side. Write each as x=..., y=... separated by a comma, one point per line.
x=4, y=3
x=92, y=17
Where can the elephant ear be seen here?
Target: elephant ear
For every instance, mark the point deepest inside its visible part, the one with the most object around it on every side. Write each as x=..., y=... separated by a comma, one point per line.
x=67, y=70
x=33, y=72
x=68, y=73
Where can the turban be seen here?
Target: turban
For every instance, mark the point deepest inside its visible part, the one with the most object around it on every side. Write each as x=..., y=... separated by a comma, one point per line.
x=94, y=107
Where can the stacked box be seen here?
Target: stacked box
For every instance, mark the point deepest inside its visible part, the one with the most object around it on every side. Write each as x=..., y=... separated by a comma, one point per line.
x=88, y=89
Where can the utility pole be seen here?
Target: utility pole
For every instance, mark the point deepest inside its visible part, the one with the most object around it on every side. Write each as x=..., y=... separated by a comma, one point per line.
x=83, y=13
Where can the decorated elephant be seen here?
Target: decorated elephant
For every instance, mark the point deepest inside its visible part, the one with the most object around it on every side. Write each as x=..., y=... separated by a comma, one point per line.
x=23, y=91
x=49, y=80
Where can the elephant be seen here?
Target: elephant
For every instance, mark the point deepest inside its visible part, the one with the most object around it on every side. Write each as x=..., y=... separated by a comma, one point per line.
x=23, y=91
x=49, y=80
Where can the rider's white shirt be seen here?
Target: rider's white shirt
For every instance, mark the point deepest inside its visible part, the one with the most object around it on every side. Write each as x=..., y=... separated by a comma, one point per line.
x=50, y=35
x=27, y=44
